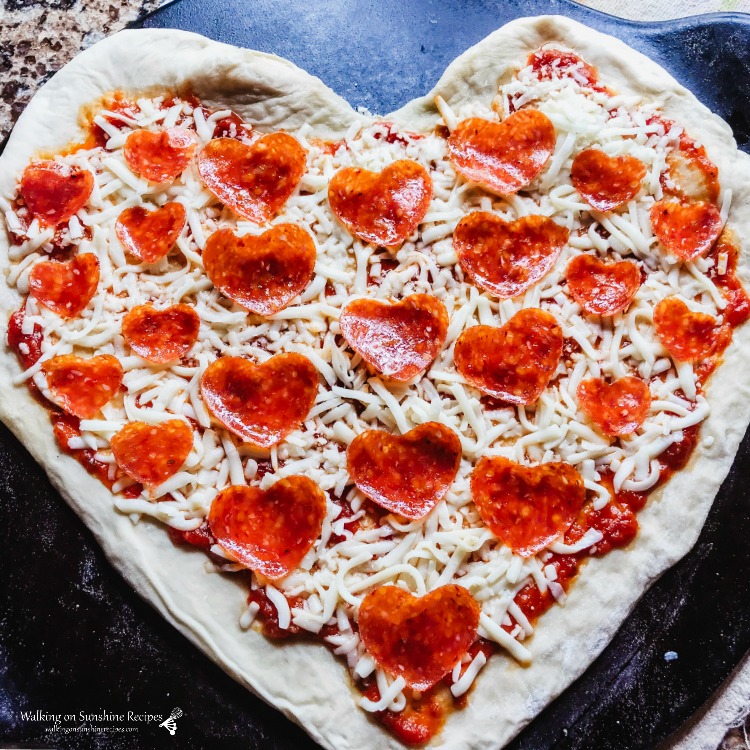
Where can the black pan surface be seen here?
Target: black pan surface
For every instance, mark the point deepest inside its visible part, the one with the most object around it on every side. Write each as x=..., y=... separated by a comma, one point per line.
x=74, y=637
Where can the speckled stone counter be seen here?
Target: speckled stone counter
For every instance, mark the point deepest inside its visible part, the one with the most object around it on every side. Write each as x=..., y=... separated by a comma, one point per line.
x=37, y=37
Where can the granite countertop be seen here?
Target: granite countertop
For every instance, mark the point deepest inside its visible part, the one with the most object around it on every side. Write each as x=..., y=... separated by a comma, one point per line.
x=37, y=37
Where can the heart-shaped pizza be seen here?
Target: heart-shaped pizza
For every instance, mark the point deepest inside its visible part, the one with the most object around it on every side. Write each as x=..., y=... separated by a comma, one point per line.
x=431, y=390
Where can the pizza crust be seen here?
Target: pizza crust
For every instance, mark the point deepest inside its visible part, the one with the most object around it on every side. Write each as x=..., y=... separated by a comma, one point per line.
x=303, y=679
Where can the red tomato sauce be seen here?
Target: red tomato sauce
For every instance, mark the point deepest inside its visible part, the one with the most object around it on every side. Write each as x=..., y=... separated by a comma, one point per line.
x=677, y=455
x=268, y=615
x=59, y=247
x=19, y=208
x=548, y=63
x=422, y=718
x=26, y=346
x=200, y=537
x=116, y=103
x=403, y=138
x=328, y=147
x=346, y=512
x=737, y=310
x=533, y=602
x=230, y=126
x=617, y=522
x=65, y=427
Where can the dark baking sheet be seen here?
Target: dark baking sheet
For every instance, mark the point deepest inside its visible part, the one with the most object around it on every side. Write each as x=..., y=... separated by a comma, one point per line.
x=74, y=637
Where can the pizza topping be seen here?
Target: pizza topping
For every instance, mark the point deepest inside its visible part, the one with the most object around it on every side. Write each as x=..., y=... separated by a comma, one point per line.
x=407, y=475
x=25, y=341
x=381, y=207
x=686, y=230
x=725, y=255
x=269, y=531
x=150, y=235
x=161, y=335
x=151, y=453
x=616, y=523
x=506, y=258
x=688, y=336
x=399, y=339
x=254, y=181
x=616, y=408
x=115, y=106
x=514, y=363
x=159, y=157
x=273, y=616
x=232, y=126
x=260, y=403
x=67, y=429
x=527, y=507
x=65, y=287
x=552, y=62
x=502, y=156
x=262, y=273
x=54, y=192
x=533, y=602
x=606, y=182
x=602, y=288
x=200, y=537
x=82, y=386
x=419, y=639
x=419, y=721
x=691, y=175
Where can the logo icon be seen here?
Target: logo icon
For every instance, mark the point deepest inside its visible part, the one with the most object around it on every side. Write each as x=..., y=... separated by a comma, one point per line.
x=169, y=723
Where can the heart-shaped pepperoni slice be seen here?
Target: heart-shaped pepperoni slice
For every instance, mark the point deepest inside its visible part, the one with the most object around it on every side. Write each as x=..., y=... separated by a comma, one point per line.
x=159, y=157
x=262, y=273
x=161, y=335
x=602, y=288
x=514, y=363
x=82, y=386
x=65, y=287
x=269, y=531
x=381, y=207
x=150, y=235
x=617, y=408
x=502, y=156
x=419, y=639
x=606, y=182
x=690, y=174
x=54, y=192
x=687, y=335
x=399, y=339
x=260, y=403
x=151, y=453
x=407, y=475
x=686, y=230
x=526, y=507
x=254, y=181
x=506, y=258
